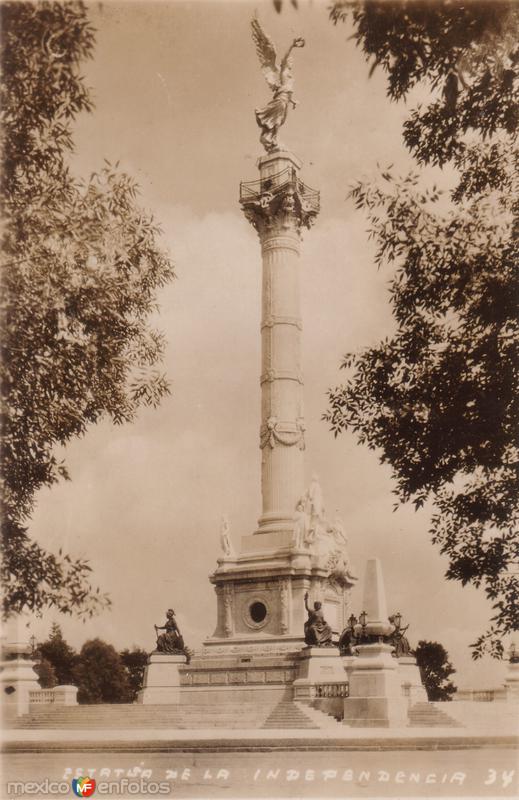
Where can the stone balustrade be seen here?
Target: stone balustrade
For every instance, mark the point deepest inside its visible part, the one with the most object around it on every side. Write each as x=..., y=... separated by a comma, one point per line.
x=59, y=695
x=331, y=690
x=317, y=691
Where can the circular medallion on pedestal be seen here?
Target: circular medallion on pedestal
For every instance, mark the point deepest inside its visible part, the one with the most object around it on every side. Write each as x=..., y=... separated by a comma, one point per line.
x=255, y=612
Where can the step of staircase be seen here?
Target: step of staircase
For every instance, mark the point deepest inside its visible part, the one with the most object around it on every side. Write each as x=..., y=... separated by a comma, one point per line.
x=289, y=715
x=321, y=718
x=123, y=716
x=427, y=715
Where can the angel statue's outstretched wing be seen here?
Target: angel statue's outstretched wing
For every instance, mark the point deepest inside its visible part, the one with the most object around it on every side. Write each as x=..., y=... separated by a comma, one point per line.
x=266, y=54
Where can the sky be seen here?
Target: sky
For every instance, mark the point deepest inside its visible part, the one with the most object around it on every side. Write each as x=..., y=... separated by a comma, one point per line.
x=175, y=86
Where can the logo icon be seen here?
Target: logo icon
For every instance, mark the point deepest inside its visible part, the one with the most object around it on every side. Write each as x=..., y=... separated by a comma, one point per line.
x=84, y=787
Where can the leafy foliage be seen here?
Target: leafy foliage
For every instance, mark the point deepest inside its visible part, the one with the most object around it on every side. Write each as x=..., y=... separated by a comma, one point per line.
x=438, y=400
x=61, y=657
x=81, y=267
x=134, y=661
x=435, y=669
x=46, y=674
x=278, y=5
x=100, y=674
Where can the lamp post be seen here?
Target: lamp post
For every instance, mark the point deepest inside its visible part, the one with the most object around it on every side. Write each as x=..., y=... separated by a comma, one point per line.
x=363, y=618
x=397, y=619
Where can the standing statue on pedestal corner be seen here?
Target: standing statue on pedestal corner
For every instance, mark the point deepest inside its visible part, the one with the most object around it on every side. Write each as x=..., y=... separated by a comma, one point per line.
x=337, y=530
x=317, y=631
x=171, y=641
x=225, y=539
x=301, y=524
x=315, y=510
x=280, y=81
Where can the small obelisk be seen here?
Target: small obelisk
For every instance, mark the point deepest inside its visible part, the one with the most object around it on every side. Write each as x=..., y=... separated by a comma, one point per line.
x=375, y=603
x=375, y=695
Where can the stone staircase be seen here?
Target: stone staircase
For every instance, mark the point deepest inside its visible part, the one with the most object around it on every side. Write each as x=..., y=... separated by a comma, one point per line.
x=427, y=715
x=135, y=716
x=244, y=716
x=289, y=715
x=322, y=719
x=284, y=715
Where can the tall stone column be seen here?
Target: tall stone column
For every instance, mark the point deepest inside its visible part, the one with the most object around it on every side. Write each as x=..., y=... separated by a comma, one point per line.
x=278, y=206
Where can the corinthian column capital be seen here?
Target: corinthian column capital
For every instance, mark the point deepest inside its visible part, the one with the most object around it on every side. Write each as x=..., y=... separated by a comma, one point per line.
x=290, y=208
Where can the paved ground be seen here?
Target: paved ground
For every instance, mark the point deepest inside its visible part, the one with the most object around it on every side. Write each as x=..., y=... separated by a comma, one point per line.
x=218, y=739
x=486, y=772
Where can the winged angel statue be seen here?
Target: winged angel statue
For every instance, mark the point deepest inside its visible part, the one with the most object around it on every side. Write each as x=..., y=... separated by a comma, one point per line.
x=280, y=80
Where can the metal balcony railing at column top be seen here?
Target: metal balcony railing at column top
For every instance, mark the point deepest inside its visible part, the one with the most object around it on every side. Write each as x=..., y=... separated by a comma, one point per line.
x=251, y=191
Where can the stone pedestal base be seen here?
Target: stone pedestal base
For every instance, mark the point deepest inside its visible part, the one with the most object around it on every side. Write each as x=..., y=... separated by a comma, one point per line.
x=512, y=681
x=411, y=680
x=161, y=680
x=18, y=679
x=375, y=712
x=318, y=667
x=375, y=690
x=65, y=695
x=248, y=670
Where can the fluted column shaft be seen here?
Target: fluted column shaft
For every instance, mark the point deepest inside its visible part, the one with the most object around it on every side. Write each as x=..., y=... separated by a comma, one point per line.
x=282, y=466
x=277, y=213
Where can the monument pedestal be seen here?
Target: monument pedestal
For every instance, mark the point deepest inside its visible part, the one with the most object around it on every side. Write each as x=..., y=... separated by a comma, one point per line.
x=411, y=680
x=322, y=681
x=375, y=690
x=161, y=679
x=512, y=681
x=18, y=677
x=375, y=698
x=318, y=666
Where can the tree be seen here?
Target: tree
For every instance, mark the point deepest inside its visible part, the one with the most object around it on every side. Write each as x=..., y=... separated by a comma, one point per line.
x=46, y=674
x=134, y=661
x=60, y=655
x=435, y=669
x=80, y=270
x=438, y=400
x=100, y=674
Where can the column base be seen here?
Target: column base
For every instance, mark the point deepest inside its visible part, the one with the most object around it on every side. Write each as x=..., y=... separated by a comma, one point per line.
x=276, y=522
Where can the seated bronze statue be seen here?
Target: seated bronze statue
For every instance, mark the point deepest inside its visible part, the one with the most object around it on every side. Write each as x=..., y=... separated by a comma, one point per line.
x=171, y=641
x=317, y=631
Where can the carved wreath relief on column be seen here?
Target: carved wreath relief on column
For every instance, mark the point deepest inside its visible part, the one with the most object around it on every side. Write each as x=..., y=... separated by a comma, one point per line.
x=273, y=432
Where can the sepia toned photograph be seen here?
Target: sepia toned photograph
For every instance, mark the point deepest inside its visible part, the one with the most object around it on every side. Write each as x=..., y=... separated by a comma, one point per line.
x=259, y=360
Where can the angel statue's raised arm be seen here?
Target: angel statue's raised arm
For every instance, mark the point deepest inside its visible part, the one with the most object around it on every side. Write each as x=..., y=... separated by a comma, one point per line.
x=280, y=81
